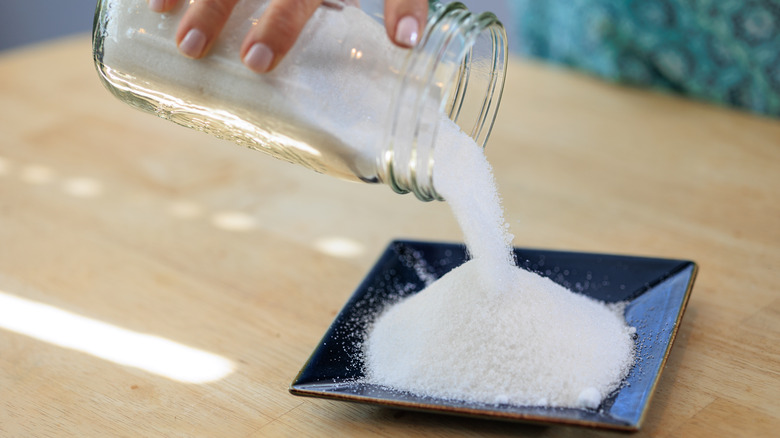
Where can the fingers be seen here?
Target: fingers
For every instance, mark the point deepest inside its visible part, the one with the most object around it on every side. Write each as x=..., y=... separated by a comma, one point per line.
x=201, y=24
x=404, y=20
x=161, y=5
x=275, y=33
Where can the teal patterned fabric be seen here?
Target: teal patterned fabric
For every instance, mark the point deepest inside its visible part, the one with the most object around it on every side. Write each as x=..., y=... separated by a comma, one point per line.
x=725, y=51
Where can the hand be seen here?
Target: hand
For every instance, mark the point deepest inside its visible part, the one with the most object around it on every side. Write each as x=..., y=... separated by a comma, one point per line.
x=277, y=29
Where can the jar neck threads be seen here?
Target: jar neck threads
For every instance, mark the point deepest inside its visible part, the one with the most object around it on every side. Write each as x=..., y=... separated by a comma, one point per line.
x=457, y=70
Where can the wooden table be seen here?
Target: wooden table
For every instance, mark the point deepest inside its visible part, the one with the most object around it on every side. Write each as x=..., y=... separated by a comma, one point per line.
x=139, y=232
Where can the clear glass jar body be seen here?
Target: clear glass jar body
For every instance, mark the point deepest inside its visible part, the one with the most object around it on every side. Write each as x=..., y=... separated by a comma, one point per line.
x=344, y=102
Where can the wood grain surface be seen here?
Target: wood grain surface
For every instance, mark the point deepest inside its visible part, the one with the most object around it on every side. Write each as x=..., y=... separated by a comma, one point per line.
x=117, y=221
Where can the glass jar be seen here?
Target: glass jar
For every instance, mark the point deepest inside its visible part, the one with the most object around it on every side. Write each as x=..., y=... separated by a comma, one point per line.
x=344, y=101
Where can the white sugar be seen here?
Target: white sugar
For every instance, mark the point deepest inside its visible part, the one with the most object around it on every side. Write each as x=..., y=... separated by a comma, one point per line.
x=464, y=178
x=540, y=344
x=485, y=332
x=489, y=331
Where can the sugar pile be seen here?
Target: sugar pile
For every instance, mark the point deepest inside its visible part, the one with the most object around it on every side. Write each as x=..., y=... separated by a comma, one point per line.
x=489, y=331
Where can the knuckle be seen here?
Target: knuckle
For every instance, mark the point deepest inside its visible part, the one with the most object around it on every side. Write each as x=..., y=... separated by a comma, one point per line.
x=215, y=9
x=288, y=18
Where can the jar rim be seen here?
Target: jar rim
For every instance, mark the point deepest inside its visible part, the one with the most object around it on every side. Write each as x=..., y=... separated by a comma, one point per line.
x=478, y=45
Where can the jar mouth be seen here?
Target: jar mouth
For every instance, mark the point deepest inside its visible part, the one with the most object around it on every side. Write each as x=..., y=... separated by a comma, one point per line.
x=456, y=71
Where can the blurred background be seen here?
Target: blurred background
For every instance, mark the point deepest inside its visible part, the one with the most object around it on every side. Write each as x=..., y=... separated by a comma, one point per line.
x=725, y=52
x=24, y=22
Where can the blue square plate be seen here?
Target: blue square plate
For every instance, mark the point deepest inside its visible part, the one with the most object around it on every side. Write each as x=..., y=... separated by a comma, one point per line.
x=656, y=290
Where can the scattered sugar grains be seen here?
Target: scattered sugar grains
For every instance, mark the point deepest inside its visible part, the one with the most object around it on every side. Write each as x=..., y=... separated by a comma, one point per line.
x=489, y=331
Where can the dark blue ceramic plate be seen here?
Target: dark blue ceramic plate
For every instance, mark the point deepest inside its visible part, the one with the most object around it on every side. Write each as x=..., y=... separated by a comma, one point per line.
x=657, y=292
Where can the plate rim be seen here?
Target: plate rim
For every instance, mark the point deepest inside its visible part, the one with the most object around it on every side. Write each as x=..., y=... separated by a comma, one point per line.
x=303, y=390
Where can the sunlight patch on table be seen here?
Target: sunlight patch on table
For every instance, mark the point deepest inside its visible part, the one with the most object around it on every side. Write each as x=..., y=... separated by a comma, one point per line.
x=185, y=210
x=233, y=221
x=36, y=174
x=150, y=353
x=82, y=187
x=338, y=246
x=5, y=166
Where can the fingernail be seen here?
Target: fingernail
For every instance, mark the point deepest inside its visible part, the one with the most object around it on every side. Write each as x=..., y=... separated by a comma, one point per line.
x=407, y=31
x=259, y=57
x=157, y=5
x=193, y=43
